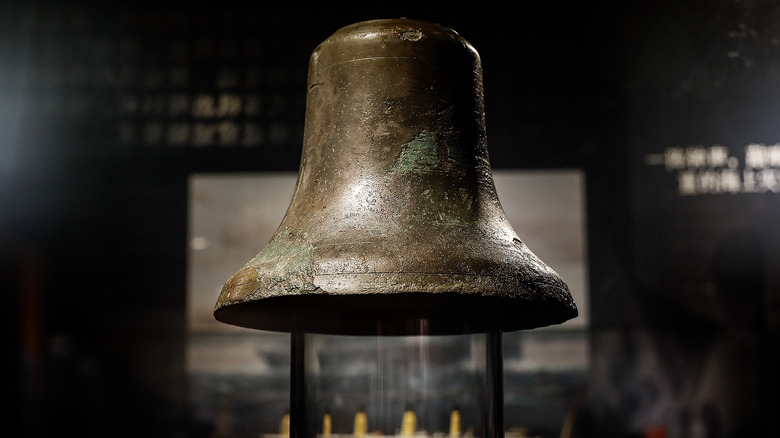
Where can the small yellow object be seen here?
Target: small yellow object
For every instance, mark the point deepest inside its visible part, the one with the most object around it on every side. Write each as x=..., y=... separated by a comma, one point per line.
x=455, y=423
x=326, y=426
x=409, y=423
x=284, y=426
x=361, y=424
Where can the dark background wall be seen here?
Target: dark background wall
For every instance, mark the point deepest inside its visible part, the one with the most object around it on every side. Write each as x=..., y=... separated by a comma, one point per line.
x=107, y=107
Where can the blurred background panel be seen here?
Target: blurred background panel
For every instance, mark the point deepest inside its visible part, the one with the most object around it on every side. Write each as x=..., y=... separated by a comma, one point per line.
x=239, y=378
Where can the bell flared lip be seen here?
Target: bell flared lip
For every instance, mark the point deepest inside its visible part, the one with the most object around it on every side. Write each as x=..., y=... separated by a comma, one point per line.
x=395, y=315
x=356, y=310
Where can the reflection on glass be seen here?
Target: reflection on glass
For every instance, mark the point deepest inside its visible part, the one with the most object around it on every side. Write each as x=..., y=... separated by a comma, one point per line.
x=396, y=385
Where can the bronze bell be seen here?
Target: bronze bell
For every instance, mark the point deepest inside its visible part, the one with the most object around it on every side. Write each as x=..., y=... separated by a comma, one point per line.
x=395, y=226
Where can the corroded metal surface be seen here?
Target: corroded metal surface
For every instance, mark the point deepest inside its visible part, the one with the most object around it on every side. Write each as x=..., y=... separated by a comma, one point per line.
x=395, y=223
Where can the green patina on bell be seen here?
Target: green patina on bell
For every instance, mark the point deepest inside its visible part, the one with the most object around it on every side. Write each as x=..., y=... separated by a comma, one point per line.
x=395, y=217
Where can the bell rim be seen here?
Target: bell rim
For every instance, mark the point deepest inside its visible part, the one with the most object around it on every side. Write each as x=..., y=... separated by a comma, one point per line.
x=400, y=314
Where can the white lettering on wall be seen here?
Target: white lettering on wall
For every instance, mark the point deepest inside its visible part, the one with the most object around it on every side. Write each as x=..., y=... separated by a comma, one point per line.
x=712, y=170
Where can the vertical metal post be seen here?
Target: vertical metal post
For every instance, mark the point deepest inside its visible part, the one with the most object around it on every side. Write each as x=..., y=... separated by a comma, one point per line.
x=298, y=419
x=495, y=382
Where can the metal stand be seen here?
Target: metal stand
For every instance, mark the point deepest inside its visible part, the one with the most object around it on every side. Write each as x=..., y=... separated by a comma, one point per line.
x=298, y=419
x=495, y=386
